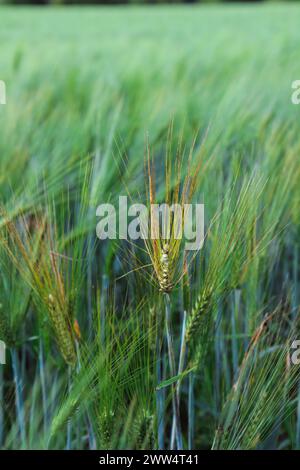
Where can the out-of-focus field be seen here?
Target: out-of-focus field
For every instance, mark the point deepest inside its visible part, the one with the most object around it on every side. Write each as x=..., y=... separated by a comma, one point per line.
x=75, y=76
x=86, y=88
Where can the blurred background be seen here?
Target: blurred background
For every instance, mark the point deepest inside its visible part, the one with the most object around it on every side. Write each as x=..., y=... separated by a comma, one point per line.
x=117, y=2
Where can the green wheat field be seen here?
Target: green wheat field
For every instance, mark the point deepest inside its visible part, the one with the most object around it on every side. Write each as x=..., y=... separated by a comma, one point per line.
x=115, y=344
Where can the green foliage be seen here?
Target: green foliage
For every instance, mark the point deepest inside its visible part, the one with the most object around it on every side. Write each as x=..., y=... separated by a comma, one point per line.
x=89, y=93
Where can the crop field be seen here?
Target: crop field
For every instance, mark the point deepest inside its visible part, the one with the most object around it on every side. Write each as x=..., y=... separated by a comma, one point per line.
x=124, y=343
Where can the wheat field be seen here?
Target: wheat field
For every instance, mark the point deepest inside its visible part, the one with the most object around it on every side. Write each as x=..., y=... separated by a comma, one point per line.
x=118, y=345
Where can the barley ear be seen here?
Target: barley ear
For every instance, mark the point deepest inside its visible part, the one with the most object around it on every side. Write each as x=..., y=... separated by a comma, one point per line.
x=164, y=277
x=62, y=331
x=143, y=430
x=6, y=332
x=195, y=319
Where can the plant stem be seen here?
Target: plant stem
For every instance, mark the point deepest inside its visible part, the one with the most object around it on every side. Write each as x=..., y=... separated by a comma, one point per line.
x=91, y=435
x=180, y=370
x=298, y=421
x=43, y=385
x=172, y=368
x=18, y=395
x=104, y=296
x=234, y=344
x=69, y=425
x=1, y=405
x=191, y=410
x=160, y=406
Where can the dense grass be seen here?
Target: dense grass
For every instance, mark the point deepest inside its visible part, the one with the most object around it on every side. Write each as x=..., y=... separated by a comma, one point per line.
x=87, y=91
